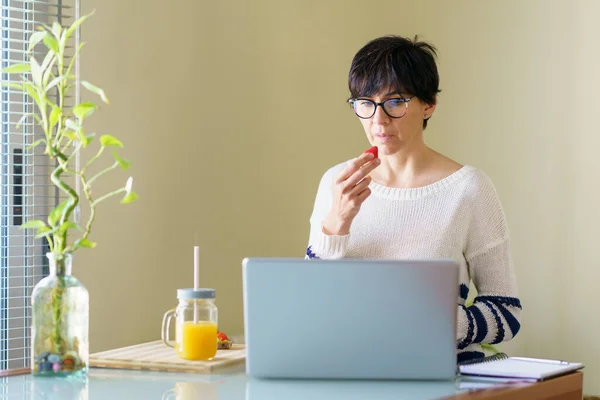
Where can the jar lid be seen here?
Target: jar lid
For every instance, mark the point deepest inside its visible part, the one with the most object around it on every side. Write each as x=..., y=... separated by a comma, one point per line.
x=203, y=293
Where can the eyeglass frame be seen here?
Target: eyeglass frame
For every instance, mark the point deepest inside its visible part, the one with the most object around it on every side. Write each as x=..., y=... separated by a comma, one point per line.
x=405, y=100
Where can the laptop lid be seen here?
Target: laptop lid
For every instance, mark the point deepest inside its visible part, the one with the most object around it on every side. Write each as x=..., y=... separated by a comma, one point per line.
x=349, y=318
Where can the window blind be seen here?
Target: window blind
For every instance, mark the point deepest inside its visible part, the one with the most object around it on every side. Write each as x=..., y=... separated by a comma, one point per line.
x=26, y=190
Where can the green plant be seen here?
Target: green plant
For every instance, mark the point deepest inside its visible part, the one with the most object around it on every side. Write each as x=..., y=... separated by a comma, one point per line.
x=64, y=135
x=48, y=84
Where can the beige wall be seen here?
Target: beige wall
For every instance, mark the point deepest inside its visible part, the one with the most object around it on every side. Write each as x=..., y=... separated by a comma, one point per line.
x=232, y=110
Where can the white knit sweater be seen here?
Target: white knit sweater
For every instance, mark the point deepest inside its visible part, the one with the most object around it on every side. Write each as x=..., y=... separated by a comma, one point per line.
x=459, y=217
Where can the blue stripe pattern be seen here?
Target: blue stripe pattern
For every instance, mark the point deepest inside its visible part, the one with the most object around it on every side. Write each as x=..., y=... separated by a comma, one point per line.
x=508, y=301
x=310, y=253
x=512, y=322
x=464, y=291
x=467, y=340
x=481, y=323
x=500, y=334
x=502, y=302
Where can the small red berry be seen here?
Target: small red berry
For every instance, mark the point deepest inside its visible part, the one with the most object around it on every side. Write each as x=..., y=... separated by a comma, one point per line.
x=373, y=150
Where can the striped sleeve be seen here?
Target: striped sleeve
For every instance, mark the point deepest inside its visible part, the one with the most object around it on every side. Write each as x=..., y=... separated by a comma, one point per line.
x=494, y=316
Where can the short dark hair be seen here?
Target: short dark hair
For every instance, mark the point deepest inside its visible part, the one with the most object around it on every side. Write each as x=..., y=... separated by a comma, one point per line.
x=401, y=64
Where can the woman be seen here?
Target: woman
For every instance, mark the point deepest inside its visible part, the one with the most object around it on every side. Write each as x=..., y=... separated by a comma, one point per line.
x=413, y=202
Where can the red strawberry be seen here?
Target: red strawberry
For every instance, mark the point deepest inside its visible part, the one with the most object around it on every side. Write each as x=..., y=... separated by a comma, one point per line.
x=222, y=336
x=373, y=150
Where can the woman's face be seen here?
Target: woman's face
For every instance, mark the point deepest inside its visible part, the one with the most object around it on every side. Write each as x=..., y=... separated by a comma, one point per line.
x=392, y=134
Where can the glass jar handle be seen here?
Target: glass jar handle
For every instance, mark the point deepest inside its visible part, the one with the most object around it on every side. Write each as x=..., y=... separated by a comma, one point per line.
x=169, y=394
x=166, y=324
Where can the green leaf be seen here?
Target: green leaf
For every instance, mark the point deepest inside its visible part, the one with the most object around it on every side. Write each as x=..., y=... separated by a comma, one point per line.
x=56, y=81
x=36, y=71
x=46, y=62
x=16, y=69
x=71, y=135
x=79, y=134
x=44, y=231
x=36, y=38
x=74, y=57
x=96, y=90
x=13, y=85
x=69, y=225
x=87, y=139
x=22, y=119
x=75, y=24
x=82, y=138
x=44, y=27
x=25, y=116
x=63, y=41
x=130, y=198
x=56, y=214
x=85, y=243
x=34, y=224
x=35, y=144
x=107, y=140
x=84, y=110
x=31, y=90
x=56, y=29
x=51, y=43
x=54, y=116
x=490, y=347
x=124, y=164
x=74, y=126
x=47, y=66
x=47, y=59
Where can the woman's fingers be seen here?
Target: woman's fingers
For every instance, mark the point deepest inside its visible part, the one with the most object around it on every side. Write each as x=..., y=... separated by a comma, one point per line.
x=362, y=196
x=354, y=166
x=362, y=172
x=359, y=187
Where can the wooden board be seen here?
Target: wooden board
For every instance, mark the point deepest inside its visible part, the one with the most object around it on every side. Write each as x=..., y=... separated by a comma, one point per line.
x=155, y=356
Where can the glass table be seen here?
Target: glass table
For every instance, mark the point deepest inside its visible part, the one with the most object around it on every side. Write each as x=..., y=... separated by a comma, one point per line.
x=233, y=384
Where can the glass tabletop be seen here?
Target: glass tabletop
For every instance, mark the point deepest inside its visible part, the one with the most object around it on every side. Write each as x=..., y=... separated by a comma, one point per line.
x=233, y=384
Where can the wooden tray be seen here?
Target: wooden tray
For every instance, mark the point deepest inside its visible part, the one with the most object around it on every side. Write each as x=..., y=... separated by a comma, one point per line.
x=155, y=356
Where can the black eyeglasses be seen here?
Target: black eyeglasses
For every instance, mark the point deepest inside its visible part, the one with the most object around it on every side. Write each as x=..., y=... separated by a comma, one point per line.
x=395, y=107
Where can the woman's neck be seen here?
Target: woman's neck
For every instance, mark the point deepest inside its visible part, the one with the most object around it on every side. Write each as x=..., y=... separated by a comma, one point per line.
x=405, y=168
x=413, y=165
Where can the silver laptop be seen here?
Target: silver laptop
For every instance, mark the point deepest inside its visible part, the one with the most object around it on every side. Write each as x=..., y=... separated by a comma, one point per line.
x=350, y=319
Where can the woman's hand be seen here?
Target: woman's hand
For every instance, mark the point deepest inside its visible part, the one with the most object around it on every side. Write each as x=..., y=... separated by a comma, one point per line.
x=351, y=189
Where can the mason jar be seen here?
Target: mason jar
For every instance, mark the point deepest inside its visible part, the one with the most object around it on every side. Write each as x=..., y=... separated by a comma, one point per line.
x=196, y=321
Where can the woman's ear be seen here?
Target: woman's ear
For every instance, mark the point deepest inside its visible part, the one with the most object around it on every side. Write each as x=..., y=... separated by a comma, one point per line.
x=428, y=110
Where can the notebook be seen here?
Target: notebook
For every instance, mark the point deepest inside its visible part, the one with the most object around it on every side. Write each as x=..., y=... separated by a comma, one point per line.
x=502, y=366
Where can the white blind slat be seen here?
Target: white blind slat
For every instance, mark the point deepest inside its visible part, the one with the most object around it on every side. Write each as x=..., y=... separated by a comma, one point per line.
x=55, y=13
x=25, y=188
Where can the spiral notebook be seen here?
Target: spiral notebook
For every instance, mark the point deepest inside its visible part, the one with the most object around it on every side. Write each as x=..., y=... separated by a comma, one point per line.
x=502, y=366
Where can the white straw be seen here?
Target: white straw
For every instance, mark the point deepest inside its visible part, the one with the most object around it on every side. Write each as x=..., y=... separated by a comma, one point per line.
x=196, y=278
x=196, y=267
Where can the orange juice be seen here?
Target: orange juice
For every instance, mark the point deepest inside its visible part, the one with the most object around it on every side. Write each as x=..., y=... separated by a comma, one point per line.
x=198, y=341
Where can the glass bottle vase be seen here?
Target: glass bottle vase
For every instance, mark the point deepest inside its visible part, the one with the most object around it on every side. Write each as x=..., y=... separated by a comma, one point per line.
x=60, y=322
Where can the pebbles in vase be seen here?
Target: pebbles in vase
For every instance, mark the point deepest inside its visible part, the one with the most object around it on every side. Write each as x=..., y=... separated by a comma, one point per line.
x=48, y=363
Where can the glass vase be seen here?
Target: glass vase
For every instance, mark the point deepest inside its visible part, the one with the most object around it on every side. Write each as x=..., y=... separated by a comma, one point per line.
x=60, y=322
